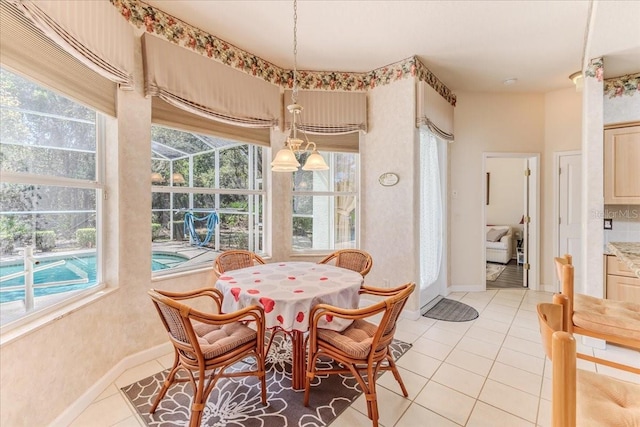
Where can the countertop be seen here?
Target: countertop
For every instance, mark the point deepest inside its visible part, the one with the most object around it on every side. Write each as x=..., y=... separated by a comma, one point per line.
x=628, y=252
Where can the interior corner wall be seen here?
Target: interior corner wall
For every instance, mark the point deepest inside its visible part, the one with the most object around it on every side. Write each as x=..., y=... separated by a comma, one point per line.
x=484, y=122
x=562, y=132
x=389, y=222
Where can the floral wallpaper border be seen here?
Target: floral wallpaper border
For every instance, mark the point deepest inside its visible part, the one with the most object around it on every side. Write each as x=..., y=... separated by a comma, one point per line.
x=181, y=33
x=626, y=85
x=595, y=69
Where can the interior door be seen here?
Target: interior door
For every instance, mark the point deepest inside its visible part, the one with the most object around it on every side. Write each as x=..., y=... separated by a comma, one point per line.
x=569, y=208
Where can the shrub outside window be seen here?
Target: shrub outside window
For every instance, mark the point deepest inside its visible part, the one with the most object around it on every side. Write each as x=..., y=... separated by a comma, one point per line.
x=202, y=176
x=50, y=196
x=325, y=205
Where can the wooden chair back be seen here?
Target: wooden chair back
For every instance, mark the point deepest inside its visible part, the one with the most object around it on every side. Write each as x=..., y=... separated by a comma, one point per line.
x=235, y=260
x=560, y=348
x=352, y=259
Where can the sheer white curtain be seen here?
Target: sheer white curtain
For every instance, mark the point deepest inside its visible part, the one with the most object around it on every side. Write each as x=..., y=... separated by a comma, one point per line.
x=430, y=209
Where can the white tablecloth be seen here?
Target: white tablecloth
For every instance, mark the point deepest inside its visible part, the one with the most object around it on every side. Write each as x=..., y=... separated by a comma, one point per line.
x=288, y=290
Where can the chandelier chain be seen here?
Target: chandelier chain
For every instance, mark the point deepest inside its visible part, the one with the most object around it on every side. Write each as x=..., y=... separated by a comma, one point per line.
x=294, y=95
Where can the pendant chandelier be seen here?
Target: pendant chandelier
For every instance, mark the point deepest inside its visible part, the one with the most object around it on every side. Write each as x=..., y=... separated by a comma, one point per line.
x=286, y=160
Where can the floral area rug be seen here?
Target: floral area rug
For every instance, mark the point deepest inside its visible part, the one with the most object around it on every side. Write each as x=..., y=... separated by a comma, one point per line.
x=236, y=401
x=494, y=270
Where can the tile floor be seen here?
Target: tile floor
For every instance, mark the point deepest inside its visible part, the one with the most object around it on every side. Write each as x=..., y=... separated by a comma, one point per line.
x=487, y=372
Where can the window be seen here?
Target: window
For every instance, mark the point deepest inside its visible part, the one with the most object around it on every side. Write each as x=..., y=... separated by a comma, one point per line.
x=325, y=205
x=212, y=185
x=50, y=196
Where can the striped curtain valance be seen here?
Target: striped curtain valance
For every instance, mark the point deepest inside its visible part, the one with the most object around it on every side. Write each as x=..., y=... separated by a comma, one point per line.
x=91, y=31
x=433, y=111
x=206, y=89
x=330, y=113
x=25, y=49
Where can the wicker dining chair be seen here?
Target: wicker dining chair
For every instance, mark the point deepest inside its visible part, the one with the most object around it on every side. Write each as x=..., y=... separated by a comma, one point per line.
x=206, y=344
x=352, y=259
x=235, y=259
x=362, y=346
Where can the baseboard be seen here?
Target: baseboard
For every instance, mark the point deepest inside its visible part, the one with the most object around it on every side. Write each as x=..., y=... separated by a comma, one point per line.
x=466, y=288
x=88, y=397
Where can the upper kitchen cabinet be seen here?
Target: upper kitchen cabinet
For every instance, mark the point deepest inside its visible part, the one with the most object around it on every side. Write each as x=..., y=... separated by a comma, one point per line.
x=622, y=166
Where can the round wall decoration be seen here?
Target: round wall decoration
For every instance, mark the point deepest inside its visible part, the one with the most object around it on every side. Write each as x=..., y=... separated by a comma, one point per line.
x=388, y=179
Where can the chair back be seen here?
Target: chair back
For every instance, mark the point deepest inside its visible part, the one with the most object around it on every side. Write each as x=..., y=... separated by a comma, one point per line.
x=560, y=348
x=387, y=326
x=561, y=262
x=352, y=259
x=550, y=321
x=235, y=260
x=175, y=317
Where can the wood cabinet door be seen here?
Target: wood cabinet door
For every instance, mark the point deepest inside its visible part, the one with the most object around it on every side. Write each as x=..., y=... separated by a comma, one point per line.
x=621, y=170
x=623, y=288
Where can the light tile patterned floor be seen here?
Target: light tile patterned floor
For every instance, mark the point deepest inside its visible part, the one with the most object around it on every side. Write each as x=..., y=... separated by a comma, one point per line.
x=487, y=372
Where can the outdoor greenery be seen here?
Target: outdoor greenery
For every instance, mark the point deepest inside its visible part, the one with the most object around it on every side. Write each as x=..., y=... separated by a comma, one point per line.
x=45, y=134
x=86, y=237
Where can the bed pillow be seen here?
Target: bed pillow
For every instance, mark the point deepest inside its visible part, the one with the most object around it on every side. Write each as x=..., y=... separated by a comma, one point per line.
x=493, y=235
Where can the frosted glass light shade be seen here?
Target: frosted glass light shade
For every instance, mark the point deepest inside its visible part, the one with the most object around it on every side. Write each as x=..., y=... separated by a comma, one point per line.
x=285, y=161
x=156, y=178
x=315, y=162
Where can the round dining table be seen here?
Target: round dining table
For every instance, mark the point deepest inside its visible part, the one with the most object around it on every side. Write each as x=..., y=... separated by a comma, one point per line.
x=288, y=291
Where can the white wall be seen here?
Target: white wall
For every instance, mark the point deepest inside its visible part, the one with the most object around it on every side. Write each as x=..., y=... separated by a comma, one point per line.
x=484, y=122
x=506, y=190
x=562, y=132
x=389, y=223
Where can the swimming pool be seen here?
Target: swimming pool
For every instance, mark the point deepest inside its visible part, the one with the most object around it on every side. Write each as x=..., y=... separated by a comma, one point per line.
x=77, y=272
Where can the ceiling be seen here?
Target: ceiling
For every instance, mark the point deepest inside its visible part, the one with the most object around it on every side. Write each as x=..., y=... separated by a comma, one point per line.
x=469, y=45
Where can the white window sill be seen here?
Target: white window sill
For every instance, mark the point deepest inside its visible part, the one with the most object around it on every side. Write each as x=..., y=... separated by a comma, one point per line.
x=49, y=315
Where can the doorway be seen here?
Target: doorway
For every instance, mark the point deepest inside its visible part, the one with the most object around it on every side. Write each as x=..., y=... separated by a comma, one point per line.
x=511, y=203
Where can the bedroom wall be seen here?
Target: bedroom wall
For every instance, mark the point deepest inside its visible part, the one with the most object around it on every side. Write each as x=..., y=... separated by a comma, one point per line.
x=485, y=122
x=506, y=191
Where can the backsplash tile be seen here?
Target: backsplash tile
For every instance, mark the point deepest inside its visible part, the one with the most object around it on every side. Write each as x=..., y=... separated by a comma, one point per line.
x=626, y=223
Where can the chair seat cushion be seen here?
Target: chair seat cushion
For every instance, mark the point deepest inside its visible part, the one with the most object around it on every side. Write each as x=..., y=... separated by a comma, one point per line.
x=607, y=316
x=355, y=340
x=606, y=401
x=215, y=340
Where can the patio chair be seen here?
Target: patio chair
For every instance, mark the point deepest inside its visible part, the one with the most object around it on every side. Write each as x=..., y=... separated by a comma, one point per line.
x=582, y=398
x=206, y=344
x=352, y=259
x=613, y=321
x=362, y=346
x=234, y=260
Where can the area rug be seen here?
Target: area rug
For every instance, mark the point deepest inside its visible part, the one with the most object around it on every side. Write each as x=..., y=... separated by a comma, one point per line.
x=452, y=311
x=494, y=270
x=236, y=401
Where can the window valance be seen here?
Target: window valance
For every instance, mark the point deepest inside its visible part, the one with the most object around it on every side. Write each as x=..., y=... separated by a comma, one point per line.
x=206, y=89
x=434, y=112
x=330, y=113
x=91, y=31
x=25, y=49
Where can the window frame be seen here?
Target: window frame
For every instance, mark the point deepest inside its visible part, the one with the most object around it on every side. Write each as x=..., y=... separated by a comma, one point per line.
x=332, y=194
x=216, y=192
x=70, y=303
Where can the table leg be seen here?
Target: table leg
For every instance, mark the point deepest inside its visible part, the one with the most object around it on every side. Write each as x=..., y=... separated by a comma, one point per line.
x=299, y=362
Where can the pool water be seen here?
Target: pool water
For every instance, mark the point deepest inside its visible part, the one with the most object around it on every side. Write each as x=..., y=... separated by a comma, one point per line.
x=76, y=268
